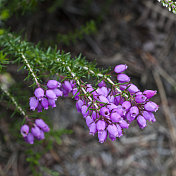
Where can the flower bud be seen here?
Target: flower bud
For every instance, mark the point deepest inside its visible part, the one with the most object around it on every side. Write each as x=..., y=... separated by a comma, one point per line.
x=39, y=93
x=112, y=129
x=52, y=103
x=123, y=124
x=35, y=131
x=102, y=136
x=50, y=94
x=30, y=138
x=58, y=92
x=115, y=117
x=123, y=78
x=24, y=130
x=126, y=105
x=92, y=129
x=104, y=112
x=102, y=84
x=119, y=129
x=79, y=104
x=52, y=84
x=149, y=93
x=134, y=111
x=120, y=68
x=84, y=111
x=89, y=121
x=101, y=125
x=140, y=98
x=33, y=103
x=151, y=106
x=44, y=103
x=141, y=121
x=41, y=124
x=133, y=89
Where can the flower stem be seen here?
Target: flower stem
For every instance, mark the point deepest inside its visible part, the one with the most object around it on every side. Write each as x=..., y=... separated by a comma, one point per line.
x=19, y=108
x=79, y=84
x=30, y=69
x=105, y=77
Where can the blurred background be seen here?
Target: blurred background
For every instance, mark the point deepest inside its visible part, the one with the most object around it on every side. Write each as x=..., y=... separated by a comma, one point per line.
x=139, y=33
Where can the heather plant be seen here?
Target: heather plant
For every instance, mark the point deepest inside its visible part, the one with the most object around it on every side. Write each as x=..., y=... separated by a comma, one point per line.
x=109, y=103
x=107, y=98
x=109, y=107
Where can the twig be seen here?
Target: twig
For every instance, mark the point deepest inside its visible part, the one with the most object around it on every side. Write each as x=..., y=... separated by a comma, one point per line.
x=30, y=69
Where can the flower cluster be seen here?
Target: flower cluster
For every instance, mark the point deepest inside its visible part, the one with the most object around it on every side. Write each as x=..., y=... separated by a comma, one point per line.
x=36, y=132
x=43, y=99
x=112, y=110
x=107, y=111
x=169, y=4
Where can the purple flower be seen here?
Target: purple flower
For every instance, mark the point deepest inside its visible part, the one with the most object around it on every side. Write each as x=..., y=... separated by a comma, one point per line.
x=50, y=94
x=30, y=138
x=134, y=111
x=39, y=107
x=52, y=103
x=35, y=131
x=84, y=111
x=119, y=129
x=126, y=105
x=119, y=110
x=115, y=117
x=102, y=136
x=52, y=84
x=24, y=130
x=95, y=115
x=123, y=124
x=149, y=93
x=104, y=112
x=141, y=121
x=89, y=121
x=147, y=115
x=41, y=124
x=92, y=129
x=75, y=91
x=42, y=135
x=101, y=125
x=102, y=84
x=33, y=103
x=58, y=92
x=39, y=93
x=111, y=106
x=152, y=117
x=123, y=78
x=133, y=89
x=79, y=104
x=129, y=117
x=112, y=137
x=120, y=68
x=112, y=129
x=44, y=103
x=103, y=99
x=151, y=106
x=140, y=98
x=67, y=86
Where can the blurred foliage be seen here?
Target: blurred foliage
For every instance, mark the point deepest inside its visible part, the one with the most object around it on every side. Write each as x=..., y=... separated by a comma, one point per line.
x=72, y=37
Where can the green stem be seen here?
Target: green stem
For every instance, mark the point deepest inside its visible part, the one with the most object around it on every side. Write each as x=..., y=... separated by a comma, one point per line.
x=19, y=108
x=79, y=84
x=30, y=69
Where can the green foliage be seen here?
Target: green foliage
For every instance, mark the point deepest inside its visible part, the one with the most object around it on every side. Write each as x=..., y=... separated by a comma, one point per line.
x=72, y=37
x=3, y=60
x=44, y=61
